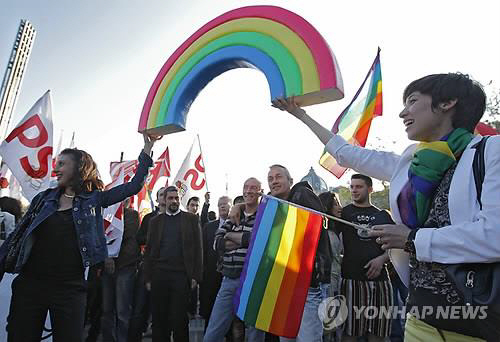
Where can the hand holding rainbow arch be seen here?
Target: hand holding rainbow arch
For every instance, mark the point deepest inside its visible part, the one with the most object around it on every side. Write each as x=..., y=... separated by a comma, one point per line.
x=294, y=57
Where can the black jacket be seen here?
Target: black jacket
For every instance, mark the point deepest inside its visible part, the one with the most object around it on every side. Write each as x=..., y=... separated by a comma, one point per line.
x=192, y=245
x=302, y=194
x=129, y=249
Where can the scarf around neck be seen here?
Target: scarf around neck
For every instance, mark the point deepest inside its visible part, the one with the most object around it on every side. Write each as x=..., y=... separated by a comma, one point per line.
x=430, y=162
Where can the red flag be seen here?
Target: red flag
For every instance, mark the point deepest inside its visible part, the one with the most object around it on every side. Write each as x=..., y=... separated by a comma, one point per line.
x=161, y=169
x=113, y=220
x=4, y=177
x=484, y=129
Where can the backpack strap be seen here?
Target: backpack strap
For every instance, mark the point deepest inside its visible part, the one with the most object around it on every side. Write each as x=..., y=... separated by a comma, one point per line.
x=479, y=168
x=3, y=230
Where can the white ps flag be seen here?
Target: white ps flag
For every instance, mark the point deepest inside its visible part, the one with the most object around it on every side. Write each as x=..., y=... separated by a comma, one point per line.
x=27, y=150
x=191, y=179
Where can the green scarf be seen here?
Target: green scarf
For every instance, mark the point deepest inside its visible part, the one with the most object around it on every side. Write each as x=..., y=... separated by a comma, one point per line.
x=428, y=167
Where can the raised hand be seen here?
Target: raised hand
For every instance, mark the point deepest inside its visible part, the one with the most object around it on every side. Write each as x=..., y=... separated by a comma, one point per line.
x=149, y=141
x=290, y=105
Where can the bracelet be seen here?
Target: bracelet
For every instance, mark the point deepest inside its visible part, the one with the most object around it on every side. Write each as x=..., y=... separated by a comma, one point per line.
x=410, y=244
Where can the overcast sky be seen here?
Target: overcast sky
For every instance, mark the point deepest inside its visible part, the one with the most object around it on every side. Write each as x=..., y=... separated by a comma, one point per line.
x=100, y=58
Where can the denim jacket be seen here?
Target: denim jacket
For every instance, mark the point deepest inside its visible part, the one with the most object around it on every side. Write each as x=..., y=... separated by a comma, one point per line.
x=87, y=217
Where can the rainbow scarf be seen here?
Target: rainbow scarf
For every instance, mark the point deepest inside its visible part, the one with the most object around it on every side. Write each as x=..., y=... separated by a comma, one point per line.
x=429, y=165
x=278, y=267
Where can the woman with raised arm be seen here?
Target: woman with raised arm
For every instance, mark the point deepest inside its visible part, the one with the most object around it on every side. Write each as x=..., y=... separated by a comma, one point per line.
x=434, y=202
x=62, y=234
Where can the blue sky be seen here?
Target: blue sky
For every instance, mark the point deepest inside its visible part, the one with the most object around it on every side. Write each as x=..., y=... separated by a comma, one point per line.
x=99, y=58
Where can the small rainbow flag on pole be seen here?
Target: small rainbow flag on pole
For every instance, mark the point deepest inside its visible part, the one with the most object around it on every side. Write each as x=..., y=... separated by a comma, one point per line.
x=278, y=267
x=354, y=122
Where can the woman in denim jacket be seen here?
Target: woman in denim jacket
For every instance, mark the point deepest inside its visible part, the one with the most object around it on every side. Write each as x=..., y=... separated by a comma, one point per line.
x=64, y=238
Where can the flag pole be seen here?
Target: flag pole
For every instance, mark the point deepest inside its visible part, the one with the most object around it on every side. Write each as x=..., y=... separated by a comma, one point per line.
x=335, y=127
x=201, y=152
x=151, y=203
x=354, y=225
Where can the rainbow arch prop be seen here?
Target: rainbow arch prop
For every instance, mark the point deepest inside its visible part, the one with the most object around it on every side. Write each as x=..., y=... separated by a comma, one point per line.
x=291, y=53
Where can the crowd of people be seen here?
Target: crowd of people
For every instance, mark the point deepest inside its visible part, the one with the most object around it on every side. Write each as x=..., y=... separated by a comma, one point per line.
x=177, y=265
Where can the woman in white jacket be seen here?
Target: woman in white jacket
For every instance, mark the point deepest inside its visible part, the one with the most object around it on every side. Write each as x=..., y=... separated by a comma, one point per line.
x=433, y=199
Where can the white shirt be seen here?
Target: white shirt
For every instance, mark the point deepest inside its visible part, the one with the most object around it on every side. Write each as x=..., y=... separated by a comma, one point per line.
x=474, y=234
x=172, y=214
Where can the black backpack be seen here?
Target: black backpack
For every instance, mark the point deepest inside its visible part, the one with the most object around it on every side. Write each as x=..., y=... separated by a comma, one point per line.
x=479, y=283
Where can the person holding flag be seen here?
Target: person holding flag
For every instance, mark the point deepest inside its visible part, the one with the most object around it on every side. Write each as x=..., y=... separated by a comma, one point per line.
x=441, y=216
x=60, y=235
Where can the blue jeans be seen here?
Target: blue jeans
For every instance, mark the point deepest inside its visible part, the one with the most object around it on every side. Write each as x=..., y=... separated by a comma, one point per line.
x=141, y=309
x=117, y=294
x=223, y=314
x=311, y=328
x=397, y=330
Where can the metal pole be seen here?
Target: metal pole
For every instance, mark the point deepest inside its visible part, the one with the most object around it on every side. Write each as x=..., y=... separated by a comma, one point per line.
x=204, y=167
x=354, y=225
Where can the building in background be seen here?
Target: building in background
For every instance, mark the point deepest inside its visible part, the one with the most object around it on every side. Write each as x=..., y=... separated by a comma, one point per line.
x=316, y=182
x=14, y=73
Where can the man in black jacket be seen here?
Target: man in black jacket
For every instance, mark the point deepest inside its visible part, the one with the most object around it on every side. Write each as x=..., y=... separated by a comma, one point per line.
x=280, y=184
x=141, y=310
x=118, y=281
x=211, y=278
x=173, y=263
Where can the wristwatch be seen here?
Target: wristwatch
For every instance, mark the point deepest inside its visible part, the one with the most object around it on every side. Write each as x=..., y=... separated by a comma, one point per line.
x=409, y=244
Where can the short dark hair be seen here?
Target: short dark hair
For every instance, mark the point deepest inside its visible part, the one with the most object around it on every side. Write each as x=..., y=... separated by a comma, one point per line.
x=238, y=199
x=212, y=216
x=194, y=198
x=170, y=188
x=287, y=173
x=470, y=96
x=328, y=199
x=160, y=191
x=367, y=179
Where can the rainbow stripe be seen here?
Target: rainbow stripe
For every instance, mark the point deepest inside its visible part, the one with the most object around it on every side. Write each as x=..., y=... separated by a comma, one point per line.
x=353, y=124
x=278, y=267
x=294, y=57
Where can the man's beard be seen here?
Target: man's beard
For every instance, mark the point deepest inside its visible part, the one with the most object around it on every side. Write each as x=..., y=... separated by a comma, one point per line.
x=173, y=208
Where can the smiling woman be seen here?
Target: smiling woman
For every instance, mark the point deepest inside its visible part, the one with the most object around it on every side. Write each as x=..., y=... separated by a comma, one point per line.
x=62, y=234
x=433, y=200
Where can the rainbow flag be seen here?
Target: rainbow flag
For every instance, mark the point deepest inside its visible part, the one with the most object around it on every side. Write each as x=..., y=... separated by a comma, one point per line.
x=353, y=124
x=278, y=267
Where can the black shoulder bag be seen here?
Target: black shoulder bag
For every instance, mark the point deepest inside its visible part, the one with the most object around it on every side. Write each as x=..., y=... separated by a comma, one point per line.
x=479, y=283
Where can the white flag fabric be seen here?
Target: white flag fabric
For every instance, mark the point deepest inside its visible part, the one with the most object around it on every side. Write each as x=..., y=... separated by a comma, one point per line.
x=129, y=168
x=190, y=179
x=113, y=221
x=27, y=150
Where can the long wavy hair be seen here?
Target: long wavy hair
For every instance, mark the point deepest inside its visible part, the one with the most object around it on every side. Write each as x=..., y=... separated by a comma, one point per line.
x=86, y=177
